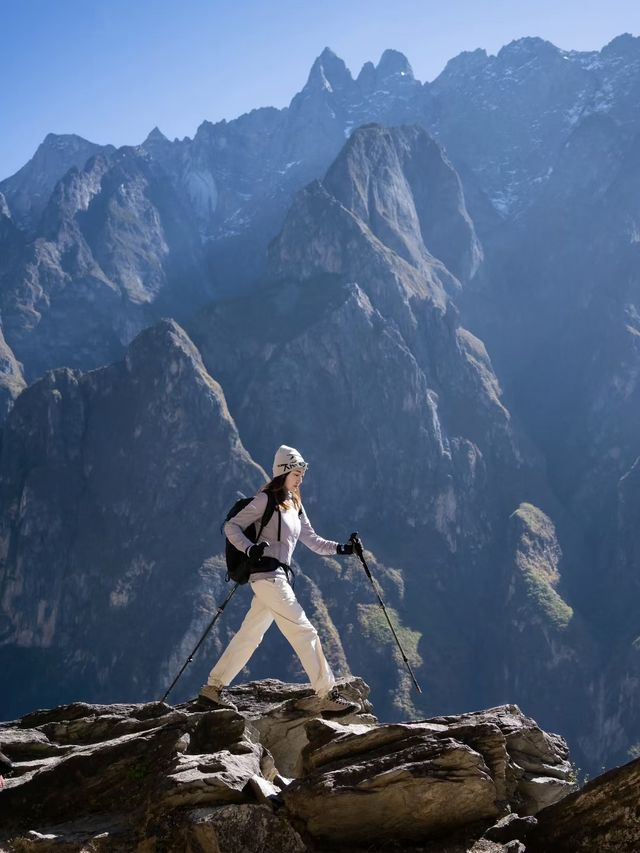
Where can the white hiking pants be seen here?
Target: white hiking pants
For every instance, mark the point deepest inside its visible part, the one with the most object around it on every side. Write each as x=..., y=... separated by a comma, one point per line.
x=273, y=598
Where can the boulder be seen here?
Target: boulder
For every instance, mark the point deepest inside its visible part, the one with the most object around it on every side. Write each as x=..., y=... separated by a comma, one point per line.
x=281, y=713
x=511, y=828
x=419, y=780
x=127, y=757
x=244, y=828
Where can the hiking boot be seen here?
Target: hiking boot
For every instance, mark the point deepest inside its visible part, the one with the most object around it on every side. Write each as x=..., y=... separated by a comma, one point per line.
x=335, y=701
x=214, y=693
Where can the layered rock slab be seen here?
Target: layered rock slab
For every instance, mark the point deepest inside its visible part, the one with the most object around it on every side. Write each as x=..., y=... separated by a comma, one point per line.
x=283, y=721
x=424, y=779
x=602, y=816
x=120, y=758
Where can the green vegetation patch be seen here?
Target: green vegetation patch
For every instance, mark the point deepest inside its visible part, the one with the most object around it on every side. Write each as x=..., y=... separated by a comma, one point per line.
x=538, y=523
x=547, y=599
x=537, y=557
x=376, y=628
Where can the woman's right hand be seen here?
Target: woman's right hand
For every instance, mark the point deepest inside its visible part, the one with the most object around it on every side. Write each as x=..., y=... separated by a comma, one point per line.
x=255, y=552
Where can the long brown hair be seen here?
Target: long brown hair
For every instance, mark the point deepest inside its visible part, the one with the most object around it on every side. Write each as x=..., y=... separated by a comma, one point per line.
x=281, y=494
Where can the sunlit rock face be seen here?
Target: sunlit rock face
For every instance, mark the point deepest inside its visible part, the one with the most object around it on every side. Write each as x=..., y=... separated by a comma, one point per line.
x=114, y=251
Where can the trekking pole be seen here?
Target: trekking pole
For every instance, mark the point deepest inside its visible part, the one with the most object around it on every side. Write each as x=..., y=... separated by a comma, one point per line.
x=357, y=547
x=201, y=640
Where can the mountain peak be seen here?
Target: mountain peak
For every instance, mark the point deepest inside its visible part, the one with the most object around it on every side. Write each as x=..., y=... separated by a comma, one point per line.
x=156, y=135
x=623, y=45
x=161, y=343
x=329, y=73
x=522, y=50
x=464, y=63
x=28, y=191
x=329, y=55
x=397, y=181
x=393, y=63
x=64, y=142
x=367, y=74
x=65, y=148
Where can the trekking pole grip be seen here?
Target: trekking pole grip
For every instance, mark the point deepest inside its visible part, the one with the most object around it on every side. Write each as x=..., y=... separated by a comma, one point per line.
x=357, y=544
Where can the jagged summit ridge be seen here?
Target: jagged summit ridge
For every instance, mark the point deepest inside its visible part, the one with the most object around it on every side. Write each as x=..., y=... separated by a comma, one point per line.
x=329, y=71
x=523, y=50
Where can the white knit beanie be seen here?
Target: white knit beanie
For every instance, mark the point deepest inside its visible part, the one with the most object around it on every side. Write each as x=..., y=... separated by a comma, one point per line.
x=287, y=459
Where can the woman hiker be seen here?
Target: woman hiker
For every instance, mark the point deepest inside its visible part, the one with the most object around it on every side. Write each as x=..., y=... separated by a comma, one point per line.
x=273, y=596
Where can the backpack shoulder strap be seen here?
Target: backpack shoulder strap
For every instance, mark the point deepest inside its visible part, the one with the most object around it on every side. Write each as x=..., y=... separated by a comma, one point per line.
x=268, y=512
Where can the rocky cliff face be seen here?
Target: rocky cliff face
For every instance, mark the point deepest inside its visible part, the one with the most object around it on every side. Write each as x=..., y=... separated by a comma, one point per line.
x=525, y=102
x=113, y=484
x=28, y=191
x=12, y=381
x=115, y=251
x=566, y=349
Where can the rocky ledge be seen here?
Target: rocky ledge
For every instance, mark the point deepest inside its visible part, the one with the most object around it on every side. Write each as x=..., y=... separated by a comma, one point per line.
x=282, y=773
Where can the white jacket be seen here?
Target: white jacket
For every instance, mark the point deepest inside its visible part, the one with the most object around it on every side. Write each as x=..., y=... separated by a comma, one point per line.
x=293, y=527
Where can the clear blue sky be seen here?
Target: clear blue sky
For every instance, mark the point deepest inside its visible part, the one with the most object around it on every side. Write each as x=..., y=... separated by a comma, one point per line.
x=110, y=71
